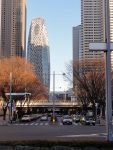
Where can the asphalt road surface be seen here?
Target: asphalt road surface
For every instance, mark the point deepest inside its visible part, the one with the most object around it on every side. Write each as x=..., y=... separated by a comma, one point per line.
x=44, y=130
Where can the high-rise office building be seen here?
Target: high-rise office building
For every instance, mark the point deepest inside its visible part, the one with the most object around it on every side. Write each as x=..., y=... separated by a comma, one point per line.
x=76, y=54
x=38, y=50
x=76, y=42
x=111, y=27
x=92, y=27
x=12, y=28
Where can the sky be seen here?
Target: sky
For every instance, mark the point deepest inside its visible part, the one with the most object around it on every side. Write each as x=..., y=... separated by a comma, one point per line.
x=60, y=16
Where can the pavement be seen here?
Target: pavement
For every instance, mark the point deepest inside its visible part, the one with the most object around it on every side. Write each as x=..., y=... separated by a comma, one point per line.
x=102, y=121
x=4, y=122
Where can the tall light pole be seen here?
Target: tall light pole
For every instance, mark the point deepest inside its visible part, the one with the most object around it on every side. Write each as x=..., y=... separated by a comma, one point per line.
x=107, y=48
x=53, y=117
x=11, y=97
x=53, y=96
x=108, y=76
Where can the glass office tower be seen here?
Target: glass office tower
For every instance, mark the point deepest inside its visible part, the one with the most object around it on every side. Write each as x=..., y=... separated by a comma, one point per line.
x=12, y=28
x=38, y=50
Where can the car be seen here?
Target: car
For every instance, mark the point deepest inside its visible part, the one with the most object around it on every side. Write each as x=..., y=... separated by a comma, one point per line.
x=44, y=118
x=89, y=121
x=26, y=118
x=67, y=120
x=76, y=118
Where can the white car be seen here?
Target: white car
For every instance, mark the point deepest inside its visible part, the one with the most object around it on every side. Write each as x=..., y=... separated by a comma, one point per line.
x=67, y=120
x=26, y=118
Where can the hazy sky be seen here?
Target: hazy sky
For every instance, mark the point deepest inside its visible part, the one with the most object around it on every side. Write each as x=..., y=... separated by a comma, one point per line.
x=60, y=17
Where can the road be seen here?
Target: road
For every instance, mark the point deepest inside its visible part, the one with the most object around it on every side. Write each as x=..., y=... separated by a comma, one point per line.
x=44, y=130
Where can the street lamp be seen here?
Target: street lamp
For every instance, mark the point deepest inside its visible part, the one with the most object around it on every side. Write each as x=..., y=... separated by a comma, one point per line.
x=11, y=97
x=107, y=48
x=108, y=76
x=53, y=117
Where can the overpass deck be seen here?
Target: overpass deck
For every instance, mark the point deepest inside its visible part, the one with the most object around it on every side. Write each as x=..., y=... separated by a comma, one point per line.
x=48, y=104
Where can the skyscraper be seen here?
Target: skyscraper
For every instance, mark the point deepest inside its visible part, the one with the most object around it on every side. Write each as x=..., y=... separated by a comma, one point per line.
x=92, y=27
x=12, y=28
x=38, y=50
x=76, y=53
x=76, y=42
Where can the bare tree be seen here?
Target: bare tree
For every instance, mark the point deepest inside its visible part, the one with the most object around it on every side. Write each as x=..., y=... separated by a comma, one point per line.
x=89, y=82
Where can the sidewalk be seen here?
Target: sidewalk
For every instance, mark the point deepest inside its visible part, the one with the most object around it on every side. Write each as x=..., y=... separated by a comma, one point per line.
x=4, y=122
x=102, y=122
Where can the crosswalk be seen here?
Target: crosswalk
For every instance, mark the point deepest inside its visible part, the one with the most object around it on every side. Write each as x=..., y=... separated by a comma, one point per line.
x=41, y=124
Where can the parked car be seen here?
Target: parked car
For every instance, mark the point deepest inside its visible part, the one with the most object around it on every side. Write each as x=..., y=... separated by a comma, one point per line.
x=76, y=118
x=26, y=118
x=67, y=120
x=88, y=121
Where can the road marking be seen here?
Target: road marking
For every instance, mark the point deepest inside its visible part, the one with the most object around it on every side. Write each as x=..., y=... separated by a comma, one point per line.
x=21, y=124
x=41, y=124
x=26, y=124
x=36, y=124
x=31, y=124
x=85, y=135
x=74, y=123
x=61, y=124
x=46, y=123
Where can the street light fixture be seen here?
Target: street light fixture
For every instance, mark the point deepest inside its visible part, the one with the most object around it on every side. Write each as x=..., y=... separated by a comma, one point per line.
x=11, y=97
x=54, y=74
x=107, y=48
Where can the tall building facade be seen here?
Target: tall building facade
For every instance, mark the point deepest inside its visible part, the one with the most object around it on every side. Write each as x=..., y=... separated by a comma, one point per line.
x=12, y=28
x=92, y=27
x=76, y=42
x=111, y=27
x=38, y=50
x=76, y=54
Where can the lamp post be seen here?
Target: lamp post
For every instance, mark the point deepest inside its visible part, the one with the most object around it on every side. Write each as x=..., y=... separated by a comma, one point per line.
x=11, y=97
x=53, y=119
x=108, y=76
x=54, y=74
x=107, y=48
